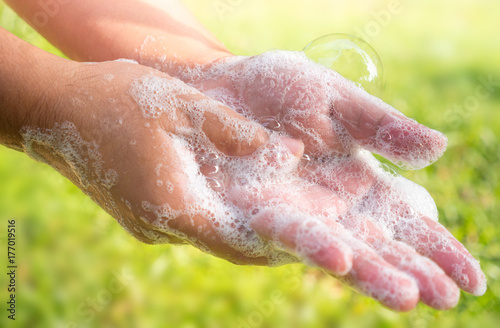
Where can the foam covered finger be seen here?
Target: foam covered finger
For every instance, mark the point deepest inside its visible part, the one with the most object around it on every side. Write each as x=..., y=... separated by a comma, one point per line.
x=436, y=288
x=307, y=239
x=187, y=112
x=231, y=133
x=431, y=239
x=404, y=209
x=380, y=128
x=289, y=216
x=235, y=135
x=374, y=277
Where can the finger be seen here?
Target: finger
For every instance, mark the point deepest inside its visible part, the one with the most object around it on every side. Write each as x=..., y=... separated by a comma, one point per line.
x=436, y=288
x=286, y=215
x=235, y=135
x=374, y=277
x=187, y=112
x=380, y=128
x=305, y=238
x=370, y=274
x=431, y=239
x=404, y=215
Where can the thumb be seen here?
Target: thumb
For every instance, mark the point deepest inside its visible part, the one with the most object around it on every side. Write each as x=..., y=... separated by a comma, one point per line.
x=235, y=135
x=380, y=128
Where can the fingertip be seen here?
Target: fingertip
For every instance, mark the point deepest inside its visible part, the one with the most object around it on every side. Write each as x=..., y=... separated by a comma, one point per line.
x=441, y=140
x=463, y=269
x=335, y=259
x=408, y=293
x=376, y=278
x=233, y=134
x=436, y=141
x=453, y=258
x=448, y=294
x=260, y=138
x=409, y=304
x=295, y=146
x=480, y=289
x=408, y=143
x=477, y=281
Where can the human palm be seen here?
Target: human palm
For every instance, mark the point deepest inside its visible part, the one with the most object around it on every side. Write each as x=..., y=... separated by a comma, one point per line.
x=394, y=240
x=115, y=132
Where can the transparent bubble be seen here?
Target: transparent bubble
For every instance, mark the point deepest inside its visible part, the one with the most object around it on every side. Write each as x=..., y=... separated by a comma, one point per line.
x=211, y=170
x=306, y=160
x=204, y=157
x=214, y=177
x=351, y=57
x=215, y=184
x=271, y=123
x=391, y=169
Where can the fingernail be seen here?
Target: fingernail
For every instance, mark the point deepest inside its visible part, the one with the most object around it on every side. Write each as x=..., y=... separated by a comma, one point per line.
x=295, y=146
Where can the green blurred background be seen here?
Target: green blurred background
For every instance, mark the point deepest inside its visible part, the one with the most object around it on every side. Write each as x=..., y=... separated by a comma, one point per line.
x=70, y=252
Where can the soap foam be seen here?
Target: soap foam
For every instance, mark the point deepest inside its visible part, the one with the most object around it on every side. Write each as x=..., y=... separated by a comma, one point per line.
x=64, y=140
x=75, y=156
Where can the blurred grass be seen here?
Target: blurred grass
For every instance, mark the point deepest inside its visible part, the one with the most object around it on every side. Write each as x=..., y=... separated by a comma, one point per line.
x=433, y=54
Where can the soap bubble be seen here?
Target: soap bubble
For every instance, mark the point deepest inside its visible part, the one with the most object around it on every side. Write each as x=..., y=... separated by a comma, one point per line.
x=271, y=123
x=306, y=161
x=351, y=57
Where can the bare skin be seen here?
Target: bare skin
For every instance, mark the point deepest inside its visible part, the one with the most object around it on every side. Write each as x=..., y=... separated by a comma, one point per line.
x=370, y=260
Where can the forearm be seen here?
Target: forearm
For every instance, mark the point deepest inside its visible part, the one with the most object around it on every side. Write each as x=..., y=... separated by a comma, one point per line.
x=26, y=76
x=97, y=30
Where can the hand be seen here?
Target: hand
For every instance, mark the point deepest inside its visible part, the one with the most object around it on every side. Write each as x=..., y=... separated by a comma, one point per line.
x=334, y=119
x=128, y=136
x=349, y=213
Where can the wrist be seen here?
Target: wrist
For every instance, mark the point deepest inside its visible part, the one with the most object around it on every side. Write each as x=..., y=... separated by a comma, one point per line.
x=27, y=88
x=187, y=56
